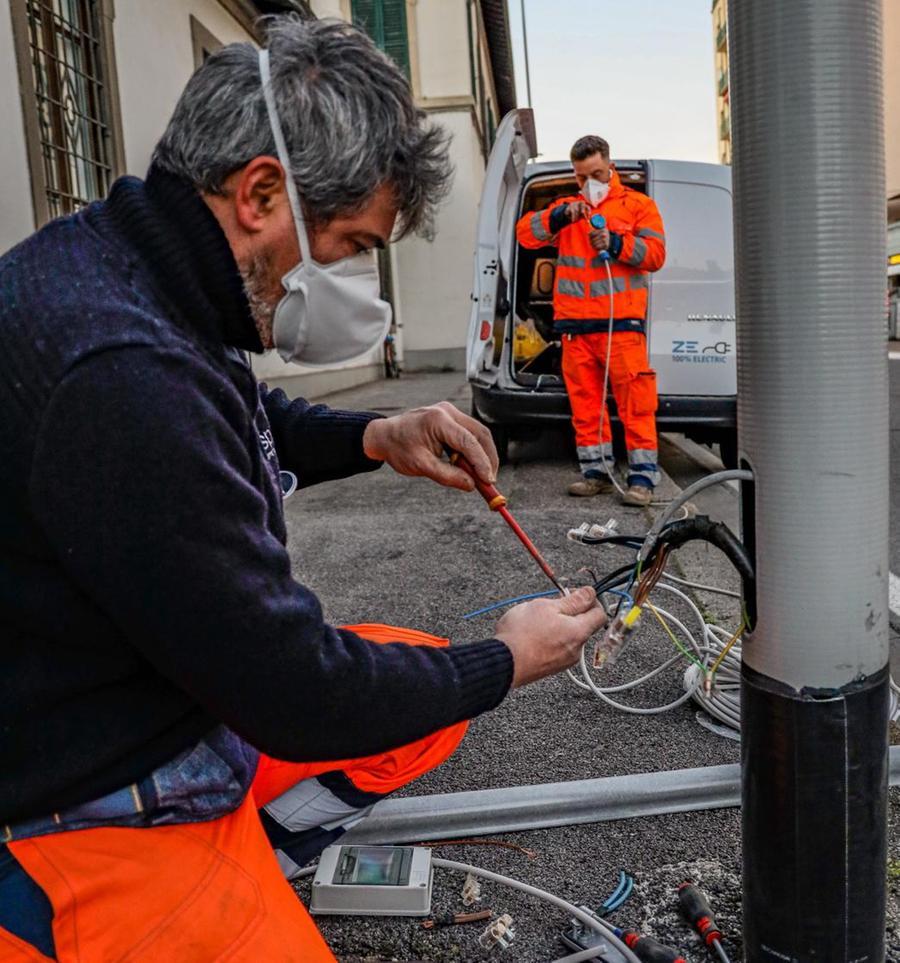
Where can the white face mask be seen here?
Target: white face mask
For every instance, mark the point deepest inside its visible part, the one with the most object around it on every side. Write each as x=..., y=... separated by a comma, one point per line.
x=594, y=191
x=330, y=313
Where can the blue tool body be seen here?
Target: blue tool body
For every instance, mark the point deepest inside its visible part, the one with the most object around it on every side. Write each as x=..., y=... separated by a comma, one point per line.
x=598, y=221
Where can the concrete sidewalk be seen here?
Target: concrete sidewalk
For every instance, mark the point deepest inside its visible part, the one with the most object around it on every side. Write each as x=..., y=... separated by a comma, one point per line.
x=404, y=551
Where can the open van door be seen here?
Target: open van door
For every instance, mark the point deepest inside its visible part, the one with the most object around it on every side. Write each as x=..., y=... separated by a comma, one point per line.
x=514, y=145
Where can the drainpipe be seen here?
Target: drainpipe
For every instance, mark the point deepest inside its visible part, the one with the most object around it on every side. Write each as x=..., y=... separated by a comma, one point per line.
x=807, y=127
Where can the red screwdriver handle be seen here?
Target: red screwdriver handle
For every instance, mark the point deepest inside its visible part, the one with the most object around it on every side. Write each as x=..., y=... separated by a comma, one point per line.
x=649, y=950
x=489, y=493
x=697, y=911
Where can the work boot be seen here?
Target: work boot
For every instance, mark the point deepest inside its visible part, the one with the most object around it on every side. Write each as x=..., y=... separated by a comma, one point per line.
x=639, y=495
x=591, y=486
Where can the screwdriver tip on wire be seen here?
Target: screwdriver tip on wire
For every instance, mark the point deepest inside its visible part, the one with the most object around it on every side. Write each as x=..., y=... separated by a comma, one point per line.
x=497, y=503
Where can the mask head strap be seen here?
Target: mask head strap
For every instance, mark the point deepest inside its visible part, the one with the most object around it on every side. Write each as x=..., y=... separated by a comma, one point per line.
x=283, y=156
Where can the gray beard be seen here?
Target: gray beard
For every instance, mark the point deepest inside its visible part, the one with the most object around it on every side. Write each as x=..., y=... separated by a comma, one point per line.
x=262, y=307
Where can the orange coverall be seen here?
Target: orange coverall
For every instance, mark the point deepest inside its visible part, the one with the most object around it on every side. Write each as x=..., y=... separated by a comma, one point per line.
x=581, y=311
x=199, y=892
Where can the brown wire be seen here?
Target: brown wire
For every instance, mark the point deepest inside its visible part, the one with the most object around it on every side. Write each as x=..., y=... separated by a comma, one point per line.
x=530, y=853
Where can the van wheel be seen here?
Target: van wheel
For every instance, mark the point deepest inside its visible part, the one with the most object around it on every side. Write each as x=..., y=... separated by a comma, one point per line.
x=499, y=433
x=728, y=448
x=501, y=442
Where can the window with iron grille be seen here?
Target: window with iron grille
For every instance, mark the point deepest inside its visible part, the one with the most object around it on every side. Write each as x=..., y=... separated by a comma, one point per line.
x=66, y=71
x=385, y=22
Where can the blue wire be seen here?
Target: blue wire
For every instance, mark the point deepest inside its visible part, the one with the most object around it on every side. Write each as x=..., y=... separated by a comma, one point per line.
x=624, y=595
x=611, y=905
x=534, y=595
x=616, y=892
x=520, y=598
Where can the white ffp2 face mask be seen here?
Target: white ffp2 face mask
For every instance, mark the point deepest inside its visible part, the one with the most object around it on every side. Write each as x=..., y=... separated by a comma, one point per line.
x=594, y=191
x=330, y=313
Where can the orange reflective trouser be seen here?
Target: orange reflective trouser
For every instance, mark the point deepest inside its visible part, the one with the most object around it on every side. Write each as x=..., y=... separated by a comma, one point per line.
x=199, y=892
x=632, y=383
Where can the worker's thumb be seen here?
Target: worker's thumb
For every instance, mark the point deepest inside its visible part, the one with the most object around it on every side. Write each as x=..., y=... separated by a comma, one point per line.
x=579, y=601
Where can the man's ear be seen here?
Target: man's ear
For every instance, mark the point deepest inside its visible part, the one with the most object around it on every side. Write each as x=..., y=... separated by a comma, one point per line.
x=259, y=190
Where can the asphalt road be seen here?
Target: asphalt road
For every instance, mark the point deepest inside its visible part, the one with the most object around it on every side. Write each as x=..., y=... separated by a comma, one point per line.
x=383, y=548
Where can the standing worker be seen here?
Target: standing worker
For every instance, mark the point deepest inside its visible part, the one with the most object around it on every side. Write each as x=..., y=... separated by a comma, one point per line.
x=632, y=243
x=180, y=727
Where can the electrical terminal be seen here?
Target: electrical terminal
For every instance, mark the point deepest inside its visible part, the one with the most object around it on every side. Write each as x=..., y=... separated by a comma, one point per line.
x=471, y=891
x=615, y=638
x=593, y=530
x=499, y=933
x=604, y=531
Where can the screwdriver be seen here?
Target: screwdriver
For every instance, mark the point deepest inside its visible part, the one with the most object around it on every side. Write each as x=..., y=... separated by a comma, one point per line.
x=497, y=503
x=697, y=911
x=649, y=950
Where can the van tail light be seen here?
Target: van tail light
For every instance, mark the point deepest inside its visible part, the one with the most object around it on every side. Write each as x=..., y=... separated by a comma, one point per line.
x=485, y=330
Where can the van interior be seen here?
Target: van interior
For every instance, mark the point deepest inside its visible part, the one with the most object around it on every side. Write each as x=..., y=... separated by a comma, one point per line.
x=536, y=355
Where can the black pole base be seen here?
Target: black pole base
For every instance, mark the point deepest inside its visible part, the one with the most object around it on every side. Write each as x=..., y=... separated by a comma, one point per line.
x=815, y=776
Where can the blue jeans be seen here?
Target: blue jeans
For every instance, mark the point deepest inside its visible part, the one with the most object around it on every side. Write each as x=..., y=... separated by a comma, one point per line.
x=204, y=782
x=24, y=908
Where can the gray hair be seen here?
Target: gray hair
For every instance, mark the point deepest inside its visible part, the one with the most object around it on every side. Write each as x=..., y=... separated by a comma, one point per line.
x=348, y=118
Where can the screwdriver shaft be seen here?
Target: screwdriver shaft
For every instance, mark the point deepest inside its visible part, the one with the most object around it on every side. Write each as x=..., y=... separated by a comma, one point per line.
x=530, y=546
x=497, y=503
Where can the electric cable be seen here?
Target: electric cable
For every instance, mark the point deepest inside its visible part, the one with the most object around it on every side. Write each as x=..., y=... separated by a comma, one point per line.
x=604, y=397
x=587, y=919
x=700, y=587
x=591, y=953
x=512, y=601
x=717, y=478
x=595, y=923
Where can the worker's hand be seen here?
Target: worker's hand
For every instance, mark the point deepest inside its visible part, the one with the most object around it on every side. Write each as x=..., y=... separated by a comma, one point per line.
x=599, y=238
x=414, y=444
x=577, y=210
x=545, y=636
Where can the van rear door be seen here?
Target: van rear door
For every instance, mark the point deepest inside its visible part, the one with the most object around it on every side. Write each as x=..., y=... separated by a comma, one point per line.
x=514, y=145
x=692, y=329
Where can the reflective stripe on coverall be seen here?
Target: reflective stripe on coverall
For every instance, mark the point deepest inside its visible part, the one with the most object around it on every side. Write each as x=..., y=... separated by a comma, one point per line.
x=581, y=307
x=203, y=892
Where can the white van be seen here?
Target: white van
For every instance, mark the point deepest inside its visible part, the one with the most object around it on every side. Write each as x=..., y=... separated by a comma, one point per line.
x=690, y=323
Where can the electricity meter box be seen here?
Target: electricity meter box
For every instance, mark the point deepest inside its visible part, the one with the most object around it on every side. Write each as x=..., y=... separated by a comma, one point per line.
x=373, y=881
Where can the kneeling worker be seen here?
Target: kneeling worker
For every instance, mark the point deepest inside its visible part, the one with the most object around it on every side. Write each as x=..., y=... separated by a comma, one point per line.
x=634, y=242
x=180, y=728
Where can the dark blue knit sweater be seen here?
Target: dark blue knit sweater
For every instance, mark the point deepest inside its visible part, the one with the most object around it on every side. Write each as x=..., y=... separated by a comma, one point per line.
x=145, y=590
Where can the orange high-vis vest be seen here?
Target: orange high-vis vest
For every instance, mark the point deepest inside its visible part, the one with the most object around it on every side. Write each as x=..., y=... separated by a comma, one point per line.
x=582, y=288
x=207, y=892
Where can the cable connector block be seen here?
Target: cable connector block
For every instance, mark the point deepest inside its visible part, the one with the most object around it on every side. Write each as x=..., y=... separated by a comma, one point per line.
x=588, y=530
x=499, y=933
x=615, y=638
x=579, y=534
x=471, y=891
x=604, y=531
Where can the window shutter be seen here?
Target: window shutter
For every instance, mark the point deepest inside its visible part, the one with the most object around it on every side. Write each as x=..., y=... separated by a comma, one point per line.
x=396, y=44
x=385, y=22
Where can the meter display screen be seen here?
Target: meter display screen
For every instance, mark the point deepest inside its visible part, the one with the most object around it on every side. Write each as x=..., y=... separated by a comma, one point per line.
x=374, y=866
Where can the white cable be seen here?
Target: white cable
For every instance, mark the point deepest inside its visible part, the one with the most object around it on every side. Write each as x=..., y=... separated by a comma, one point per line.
x=601, y=693
x=591, y=953
x=587, y=919
x=702, y=588
x=610, y=469
x=598, y=925
x=731, y=474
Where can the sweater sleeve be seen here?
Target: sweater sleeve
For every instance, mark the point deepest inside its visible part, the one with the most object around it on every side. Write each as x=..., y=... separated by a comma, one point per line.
x=141, y=480
x=315, y=442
